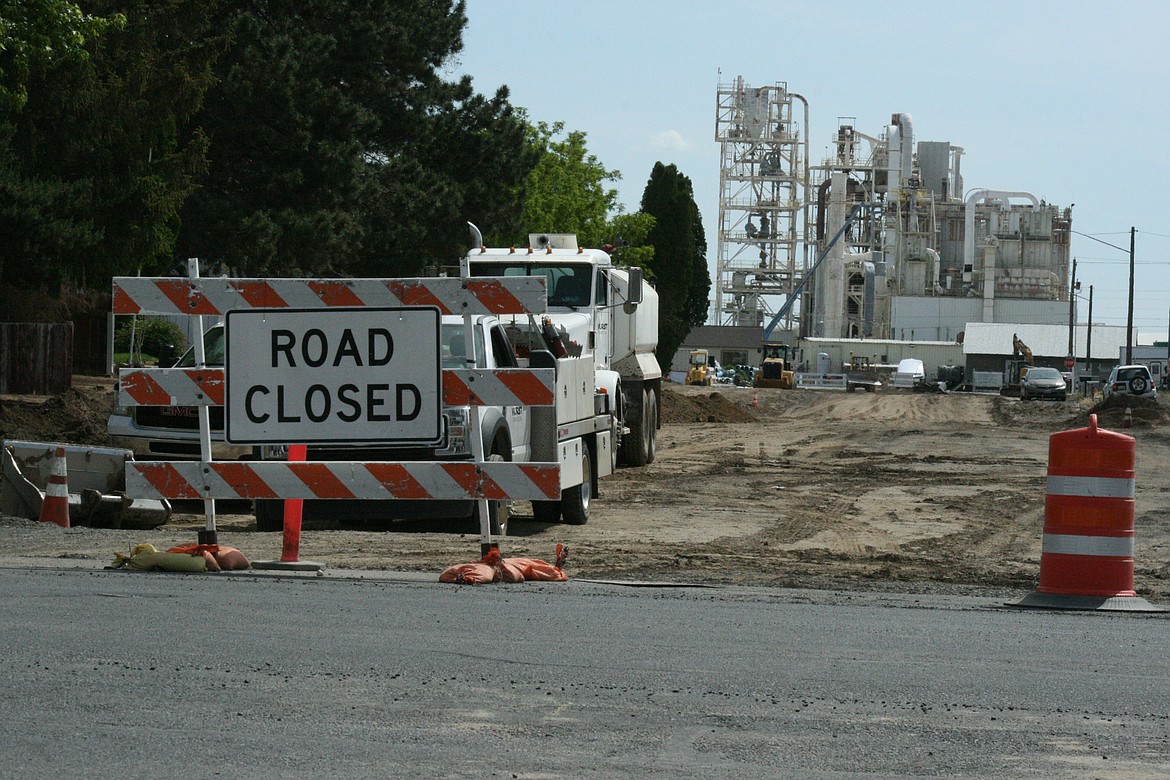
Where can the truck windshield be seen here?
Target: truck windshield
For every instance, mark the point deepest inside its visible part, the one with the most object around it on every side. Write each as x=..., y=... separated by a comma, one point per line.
x=568, y=284
x=212, y=349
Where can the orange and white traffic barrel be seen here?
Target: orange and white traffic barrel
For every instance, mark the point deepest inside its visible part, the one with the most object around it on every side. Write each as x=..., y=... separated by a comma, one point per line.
x=1086, y=559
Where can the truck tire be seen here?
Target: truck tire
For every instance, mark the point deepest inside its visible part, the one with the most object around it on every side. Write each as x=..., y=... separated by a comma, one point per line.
x=650, y=406
x=634, y=444
x=575, y=500
x=269, y=514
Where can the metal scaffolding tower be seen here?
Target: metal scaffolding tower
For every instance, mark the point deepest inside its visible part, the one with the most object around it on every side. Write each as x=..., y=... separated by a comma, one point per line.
x=763, y=199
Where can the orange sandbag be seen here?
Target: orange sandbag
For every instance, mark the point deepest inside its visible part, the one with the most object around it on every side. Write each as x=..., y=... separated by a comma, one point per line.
x=535, y=570
x=219, y=557
x=231, y=559
x=469, y=574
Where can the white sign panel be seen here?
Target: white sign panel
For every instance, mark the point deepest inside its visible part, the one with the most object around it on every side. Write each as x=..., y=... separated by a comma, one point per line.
x=333, y=376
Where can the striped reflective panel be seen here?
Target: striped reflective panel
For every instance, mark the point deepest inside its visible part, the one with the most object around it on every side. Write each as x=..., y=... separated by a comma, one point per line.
x=343, y=480
x=1095, y=487
x=1072, y=544
x=216, y=296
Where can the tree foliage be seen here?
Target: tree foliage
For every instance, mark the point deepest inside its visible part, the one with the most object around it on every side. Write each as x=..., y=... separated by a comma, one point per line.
x=104, y=153
x=567, y=191
x=338, y=147
x=37, y=33
x=680, y=257
x=314, y=138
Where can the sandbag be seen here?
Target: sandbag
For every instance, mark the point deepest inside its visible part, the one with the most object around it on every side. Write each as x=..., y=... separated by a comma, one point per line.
x=219, y=557
x=144, y=557
x=536, y=570
x=469, y=574
x=492, y=568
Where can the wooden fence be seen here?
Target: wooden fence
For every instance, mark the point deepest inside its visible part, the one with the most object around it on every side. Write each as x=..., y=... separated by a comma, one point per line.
x=36, y=358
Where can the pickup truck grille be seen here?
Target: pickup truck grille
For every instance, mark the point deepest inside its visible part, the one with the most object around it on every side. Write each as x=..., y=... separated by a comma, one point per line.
x=182, y=418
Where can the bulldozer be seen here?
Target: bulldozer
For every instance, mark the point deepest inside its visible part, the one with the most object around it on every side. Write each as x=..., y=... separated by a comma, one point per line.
x=774, y=370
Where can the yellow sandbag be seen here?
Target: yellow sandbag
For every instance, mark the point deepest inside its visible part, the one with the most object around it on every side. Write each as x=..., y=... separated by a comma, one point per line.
x=144, y=557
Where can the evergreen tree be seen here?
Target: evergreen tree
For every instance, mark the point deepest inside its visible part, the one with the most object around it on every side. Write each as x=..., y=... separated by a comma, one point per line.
x=337, y=147
x=680, y=258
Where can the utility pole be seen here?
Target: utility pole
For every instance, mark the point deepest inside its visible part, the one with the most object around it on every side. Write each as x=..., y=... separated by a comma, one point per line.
x=1072, y=298
x=1089, y=338
x=1129, y=319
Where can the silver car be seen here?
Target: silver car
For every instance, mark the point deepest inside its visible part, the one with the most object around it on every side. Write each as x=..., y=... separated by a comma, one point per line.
x=1043, y=383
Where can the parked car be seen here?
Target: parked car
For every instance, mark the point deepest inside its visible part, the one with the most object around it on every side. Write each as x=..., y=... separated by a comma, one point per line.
x=1131, y=380
x=1043, y=383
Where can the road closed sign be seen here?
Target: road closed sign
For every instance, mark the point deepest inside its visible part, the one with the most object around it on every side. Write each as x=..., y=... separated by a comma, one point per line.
x=333, y=376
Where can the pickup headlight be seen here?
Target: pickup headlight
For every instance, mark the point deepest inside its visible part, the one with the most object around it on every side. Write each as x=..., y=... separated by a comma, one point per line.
x=457, y=419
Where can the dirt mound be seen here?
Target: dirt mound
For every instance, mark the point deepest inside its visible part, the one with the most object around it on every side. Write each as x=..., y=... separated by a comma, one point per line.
x=712, y=406
x=1144, y=412
x=76, y=416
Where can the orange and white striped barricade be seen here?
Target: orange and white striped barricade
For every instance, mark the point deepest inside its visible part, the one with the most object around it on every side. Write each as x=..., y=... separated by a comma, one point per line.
x=204, y=386
x=1086, y=559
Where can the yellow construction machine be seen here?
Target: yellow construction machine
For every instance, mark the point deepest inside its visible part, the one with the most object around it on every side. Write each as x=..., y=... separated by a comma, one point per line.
x=699, y=372
x=774, y=370
x=1016, y=369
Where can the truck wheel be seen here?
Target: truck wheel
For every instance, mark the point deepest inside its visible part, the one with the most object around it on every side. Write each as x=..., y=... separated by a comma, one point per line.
x=634, y=442
x=269, y=514
x=499, y=512
x=650, y=417
x=575, y=500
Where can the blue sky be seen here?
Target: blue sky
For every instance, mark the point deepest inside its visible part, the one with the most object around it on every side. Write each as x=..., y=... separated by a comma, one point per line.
x=1067, y=100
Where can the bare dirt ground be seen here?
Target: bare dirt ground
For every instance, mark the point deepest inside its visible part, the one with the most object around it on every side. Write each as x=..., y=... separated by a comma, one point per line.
x=914, y=492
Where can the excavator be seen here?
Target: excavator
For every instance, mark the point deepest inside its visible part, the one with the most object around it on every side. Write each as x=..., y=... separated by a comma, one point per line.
x=1016, y=369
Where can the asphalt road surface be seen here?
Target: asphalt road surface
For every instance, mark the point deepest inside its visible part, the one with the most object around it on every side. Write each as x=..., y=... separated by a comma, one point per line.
x=273, y=676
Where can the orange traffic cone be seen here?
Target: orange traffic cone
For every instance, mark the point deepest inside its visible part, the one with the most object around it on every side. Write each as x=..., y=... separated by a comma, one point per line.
x=55, y=507
x=755, y=398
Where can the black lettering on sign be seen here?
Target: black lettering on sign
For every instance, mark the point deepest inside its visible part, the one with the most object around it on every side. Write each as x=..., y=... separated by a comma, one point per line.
x=248, y=410
x=347, y=348
x=281, y=414
x=283, y=341
x=401, y=391
x=344, y=394
x=375, y=401
x=380, y=338
x=322, y=392
x=315, y=358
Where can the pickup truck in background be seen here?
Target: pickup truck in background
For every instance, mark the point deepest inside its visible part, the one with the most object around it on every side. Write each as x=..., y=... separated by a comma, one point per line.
x=172, y=433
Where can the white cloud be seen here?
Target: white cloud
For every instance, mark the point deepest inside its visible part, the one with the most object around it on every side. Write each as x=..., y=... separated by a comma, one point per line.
x=670, y=141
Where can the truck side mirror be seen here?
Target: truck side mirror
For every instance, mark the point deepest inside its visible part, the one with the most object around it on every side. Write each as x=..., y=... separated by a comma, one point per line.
x=634, y=291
